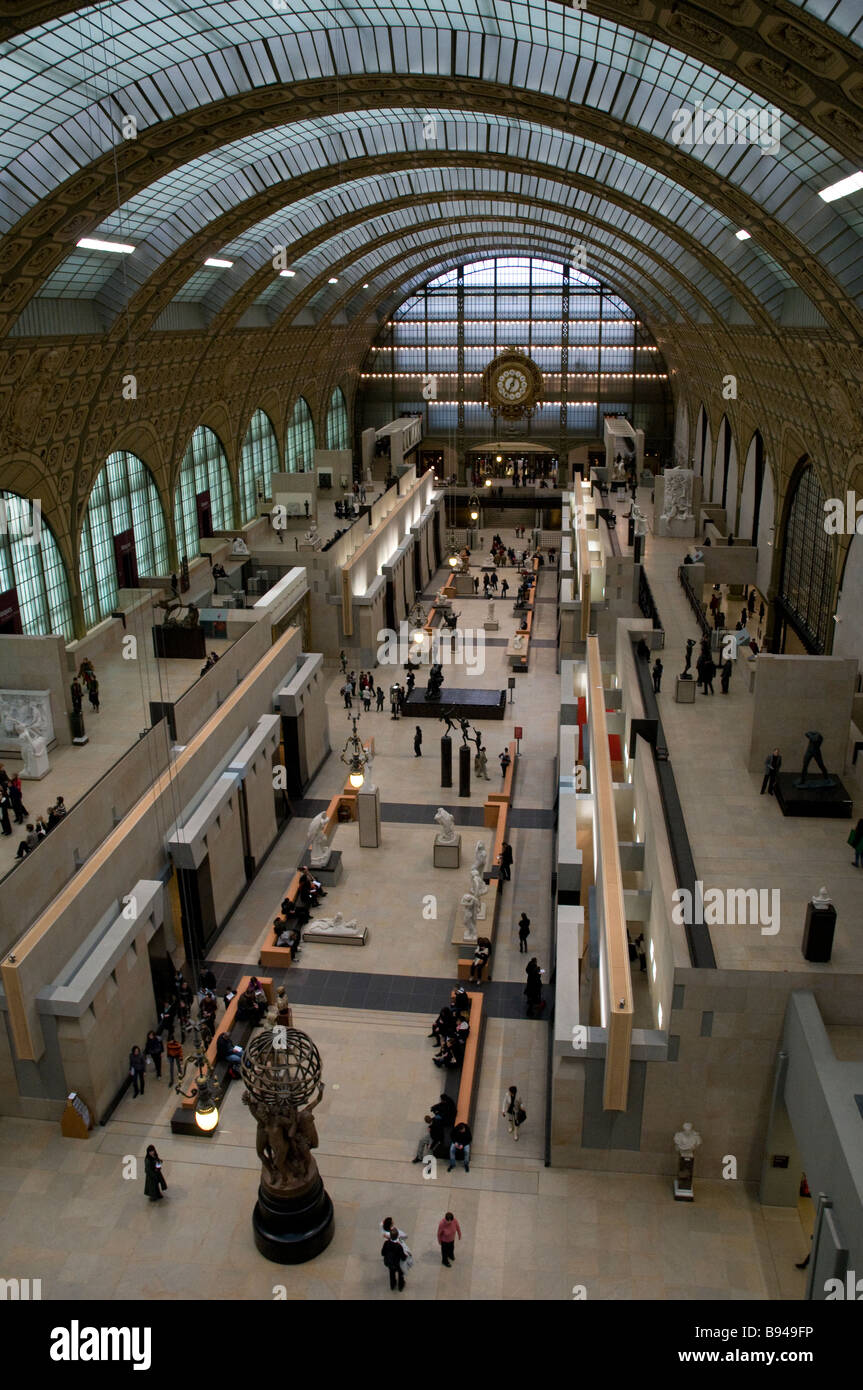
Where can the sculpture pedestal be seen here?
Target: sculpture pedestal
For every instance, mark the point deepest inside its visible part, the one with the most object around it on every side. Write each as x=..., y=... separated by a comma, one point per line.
x=369, y=817
x=681, y=527
x=490, y=625
x=464, y=586
x=35, y=768
x=447, y=855
x=327, y=874
x=683, y=1190
x=76, y=726
x=292, y=1230
x=684, y=693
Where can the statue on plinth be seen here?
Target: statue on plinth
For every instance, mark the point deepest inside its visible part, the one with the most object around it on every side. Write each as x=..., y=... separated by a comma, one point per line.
x=335, y=926
x=678, y=494
x=319, y=846
x=447, y=833
x=442, y=601
x=435, y=681
x=639, y=520
x=34, y=752
x=480, y=857
x=813, y=754
x=470, y=906
x=686, y=1141
x=518, y=642
x=690, y=645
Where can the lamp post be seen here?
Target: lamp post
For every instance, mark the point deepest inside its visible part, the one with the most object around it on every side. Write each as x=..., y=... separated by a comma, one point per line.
x=207, y=1089
x=354, y=756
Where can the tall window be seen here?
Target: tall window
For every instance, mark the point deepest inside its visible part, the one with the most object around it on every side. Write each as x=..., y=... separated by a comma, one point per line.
x=260, y=458
x=300, y=444
x=31, y=564
x=807, y=571
x=124, y=498
x=337, y=422
x=204, y=469
x=595, y=355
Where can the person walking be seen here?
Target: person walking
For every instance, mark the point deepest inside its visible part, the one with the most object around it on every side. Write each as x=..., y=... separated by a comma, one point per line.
x=393, y=1256
x=513, y=1111
x=504, y=759
x=347, y=693
x=93, y=692
x=533, y=988
x=506, y=862
x=772, y=764
x=153, y=1048
x=154, y=1178
x=657, y=675
x=855, y=840
x=523, y=933
x=504, y=588
x=448, y=1229
x=476, y=583
x=137, y=1067
x=379, y=699
x=418, y=741
x=480, y=765
x=343, y=661
x=174, y=1052
x=5, y=808
x=367, y=698
x=725, y=677
x=461, y=1139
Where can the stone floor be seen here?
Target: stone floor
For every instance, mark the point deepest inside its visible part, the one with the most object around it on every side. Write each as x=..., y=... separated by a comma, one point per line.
x=73, y=1214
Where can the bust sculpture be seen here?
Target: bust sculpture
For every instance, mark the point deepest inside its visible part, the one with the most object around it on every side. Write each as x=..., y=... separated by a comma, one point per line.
x=470, y=907
x=319, y=848
x=687, y=1140
x=447, y=833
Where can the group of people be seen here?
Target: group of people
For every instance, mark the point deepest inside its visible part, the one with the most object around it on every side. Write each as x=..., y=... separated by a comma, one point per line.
x=91, y=685
x=12, y=806
x=296, y=913
x=363, y=687
x=451, y=1029
x=397, y=1257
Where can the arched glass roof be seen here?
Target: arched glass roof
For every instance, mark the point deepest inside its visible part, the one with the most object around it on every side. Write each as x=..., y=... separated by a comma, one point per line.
x=67, y=85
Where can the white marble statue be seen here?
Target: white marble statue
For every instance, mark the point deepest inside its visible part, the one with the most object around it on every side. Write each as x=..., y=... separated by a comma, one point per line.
x=639, y=519
x=447, y=833
x=34, y=752
x=313, y=539
x=27, y=709
x=319, y=846
x=490, y=614
x=470, y=907
x=678, y=494
x=687, y=1140
x=442, y=601
x=518, y=642
x=334, y=926
x=480, y=857
x=238, y=546
x=478, y=886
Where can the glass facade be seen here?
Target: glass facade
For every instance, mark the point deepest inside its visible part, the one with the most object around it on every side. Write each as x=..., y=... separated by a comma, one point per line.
x=124, y=498
x=31, y=564
x=595, y=355
x=807, y=564
x=338, y=434
x=260, y=458
x=204, y=469
x=300, y=442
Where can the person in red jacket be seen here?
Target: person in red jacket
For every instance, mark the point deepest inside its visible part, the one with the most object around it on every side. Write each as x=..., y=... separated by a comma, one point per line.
x=448, y=1229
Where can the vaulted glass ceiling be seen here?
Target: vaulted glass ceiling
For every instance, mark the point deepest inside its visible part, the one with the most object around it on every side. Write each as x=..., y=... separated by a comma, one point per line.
x=66, y=86
x=845, y=16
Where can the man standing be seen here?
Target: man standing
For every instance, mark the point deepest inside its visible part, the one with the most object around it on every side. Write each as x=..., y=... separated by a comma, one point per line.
x=379, y=698
x=418, y=741
x=772, y=764
x=447, y=1231
x=347, y=692
x=506, y=862
x=725, y=678
x=481, y=765
x=505, y=761
x=523, y=933
x=657, y=675
x=393, y=1256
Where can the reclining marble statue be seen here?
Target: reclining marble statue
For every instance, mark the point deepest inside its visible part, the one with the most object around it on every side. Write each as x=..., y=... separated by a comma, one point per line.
x=333, y=926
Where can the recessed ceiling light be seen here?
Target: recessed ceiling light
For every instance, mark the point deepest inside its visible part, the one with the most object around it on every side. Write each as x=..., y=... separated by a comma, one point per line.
x=91, y=244
x=215, y=260
x=843, y=187
x=743, y=235
x=287, y=274
x=333, y=280
x=365, y=287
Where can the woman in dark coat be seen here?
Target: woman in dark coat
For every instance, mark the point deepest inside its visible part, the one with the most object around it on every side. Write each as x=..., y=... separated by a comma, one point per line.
x=153, y=1178
x=137, y=1067
x=533, y=988
x=154, y=1048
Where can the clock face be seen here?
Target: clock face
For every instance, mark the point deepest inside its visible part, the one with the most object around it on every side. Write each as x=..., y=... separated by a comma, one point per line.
x=512, y=384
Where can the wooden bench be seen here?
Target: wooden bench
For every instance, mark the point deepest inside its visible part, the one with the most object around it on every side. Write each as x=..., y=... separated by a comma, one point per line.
x=468, y=1079
x=227, y=1023
x=464, y=967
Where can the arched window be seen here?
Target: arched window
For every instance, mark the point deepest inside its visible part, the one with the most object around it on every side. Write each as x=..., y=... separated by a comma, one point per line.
x=34, y=590
x=338, y=436
x=807, y=571
x=260, y=458
x=202, y=502
x=124, y=499
x=300, y=443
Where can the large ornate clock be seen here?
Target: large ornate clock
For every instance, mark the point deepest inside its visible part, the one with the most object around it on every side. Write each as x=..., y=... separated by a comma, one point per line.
x=512, y=385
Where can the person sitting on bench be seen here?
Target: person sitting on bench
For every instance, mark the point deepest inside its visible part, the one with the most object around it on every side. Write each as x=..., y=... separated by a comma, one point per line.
x=310, y=888
x=480, y=957
x=460, y=1000
x=229, y=1051
x=296, y=909
x=252, y=1004
x=449, y=1054
x=286, y=935
x=443, y=1026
